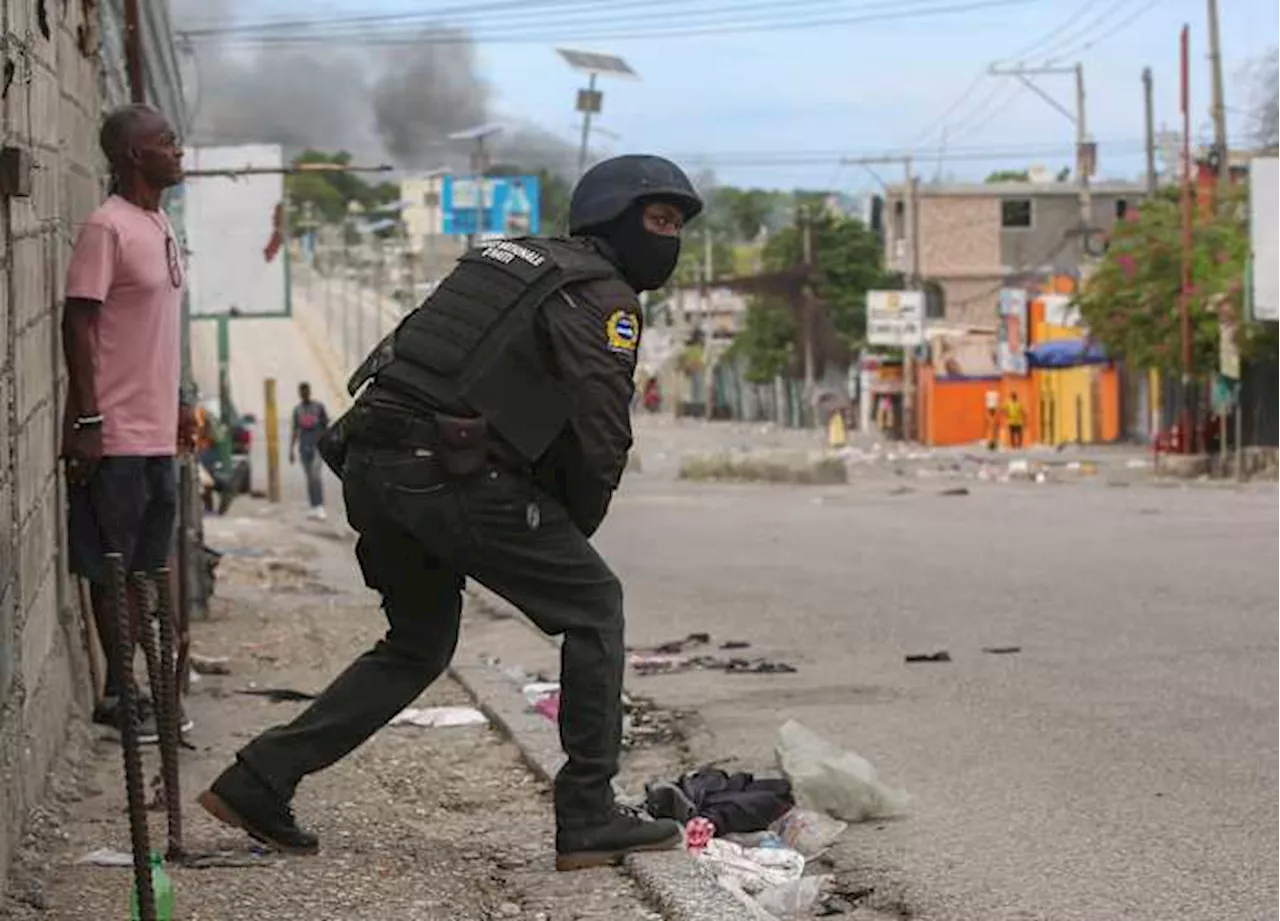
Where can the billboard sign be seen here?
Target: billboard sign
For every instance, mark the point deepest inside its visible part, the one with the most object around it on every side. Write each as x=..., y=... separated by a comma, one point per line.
x=1011, y=349
x=503, y=206
x=895, y=318
x=1264, y=190
x=236, y=263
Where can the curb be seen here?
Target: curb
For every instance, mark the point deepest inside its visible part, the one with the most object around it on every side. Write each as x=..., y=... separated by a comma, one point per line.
x=673, y=883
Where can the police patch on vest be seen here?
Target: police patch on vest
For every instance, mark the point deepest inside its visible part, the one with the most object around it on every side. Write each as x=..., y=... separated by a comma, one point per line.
x=623, y=331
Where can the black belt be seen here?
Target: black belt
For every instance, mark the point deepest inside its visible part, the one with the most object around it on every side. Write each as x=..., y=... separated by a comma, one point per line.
x=387, y=428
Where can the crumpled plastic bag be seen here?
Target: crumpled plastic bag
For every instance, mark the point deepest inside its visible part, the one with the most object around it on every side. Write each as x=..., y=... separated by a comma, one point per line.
x=754, y=869
x=828, y=779
x=793, y=899
x=808, y=832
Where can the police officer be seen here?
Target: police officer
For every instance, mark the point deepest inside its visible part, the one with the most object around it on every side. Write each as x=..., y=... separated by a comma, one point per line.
x=491, y=432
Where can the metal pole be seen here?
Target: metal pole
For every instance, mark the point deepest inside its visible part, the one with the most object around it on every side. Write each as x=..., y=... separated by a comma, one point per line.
x=586, y=127
x=708, y=372
x=1083, y=166
x=806, y=242
x=346, y=296
x=1219, y=104
x=909, y=421
x=273, y=440
x=133, y=52
x=1150, y=125
x=1184, y=300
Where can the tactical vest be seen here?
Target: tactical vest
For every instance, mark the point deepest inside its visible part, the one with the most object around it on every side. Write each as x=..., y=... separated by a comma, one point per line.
x=473, y=348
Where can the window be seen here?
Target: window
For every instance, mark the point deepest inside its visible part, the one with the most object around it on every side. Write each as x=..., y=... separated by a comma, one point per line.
x=1122, y=208
x=899, y=220
x=1015, y=213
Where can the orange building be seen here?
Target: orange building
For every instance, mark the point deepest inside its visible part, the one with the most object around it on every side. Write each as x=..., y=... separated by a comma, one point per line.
x=1063, y=405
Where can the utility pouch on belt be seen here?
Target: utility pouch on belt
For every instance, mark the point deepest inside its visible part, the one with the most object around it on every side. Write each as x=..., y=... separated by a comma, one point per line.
x=463, y=448
x=333, y=443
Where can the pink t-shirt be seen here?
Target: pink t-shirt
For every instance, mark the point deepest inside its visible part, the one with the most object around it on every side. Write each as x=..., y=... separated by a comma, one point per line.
x=128, y=258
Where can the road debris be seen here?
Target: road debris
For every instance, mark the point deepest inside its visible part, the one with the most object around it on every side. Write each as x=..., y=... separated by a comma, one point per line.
x=834, y=781
x=107, y=857
x=278, y=695
x=1001, y=650
x=210, y=665
x=940, y=656
x=439, y=717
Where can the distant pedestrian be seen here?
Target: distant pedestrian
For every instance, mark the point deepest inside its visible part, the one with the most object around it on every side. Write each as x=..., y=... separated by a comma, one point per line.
x=310, y=419
x=121, y=339
x=993, y=419
x=1015, y=416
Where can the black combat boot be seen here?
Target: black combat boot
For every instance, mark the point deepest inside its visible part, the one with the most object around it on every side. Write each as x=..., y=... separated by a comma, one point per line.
x=240, y=799
x=620, y=833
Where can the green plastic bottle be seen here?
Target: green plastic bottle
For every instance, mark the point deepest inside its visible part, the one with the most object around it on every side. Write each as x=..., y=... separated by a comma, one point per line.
x=161, y=885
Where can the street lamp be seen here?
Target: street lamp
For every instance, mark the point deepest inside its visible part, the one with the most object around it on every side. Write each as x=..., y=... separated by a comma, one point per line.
x=590, y=99
x=479, y=165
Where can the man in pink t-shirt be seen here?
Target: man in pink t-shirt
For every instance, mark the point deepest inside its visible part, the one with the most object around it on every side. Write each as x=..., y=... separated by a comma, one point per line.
x=121, y=337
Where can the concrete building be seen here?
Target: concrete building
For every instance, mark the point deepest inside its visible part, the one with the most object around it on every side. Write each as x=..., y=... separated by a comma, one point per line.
x=53, y=107
x=977, y=237
x=723, y=310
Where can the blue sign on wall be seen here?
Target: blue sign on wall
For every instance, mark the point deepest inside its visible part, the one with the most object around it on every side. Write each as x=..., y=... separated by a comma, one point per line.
x=510, y=206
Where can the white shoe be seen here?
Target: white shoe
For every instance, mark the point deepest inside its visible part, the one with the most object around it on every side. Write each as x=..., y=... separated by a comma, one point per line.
x=318, y=513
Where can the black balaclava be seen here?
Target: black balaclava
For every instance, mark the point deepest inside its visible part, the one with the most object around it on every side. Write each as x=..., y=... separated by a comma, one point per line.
x=646, y=259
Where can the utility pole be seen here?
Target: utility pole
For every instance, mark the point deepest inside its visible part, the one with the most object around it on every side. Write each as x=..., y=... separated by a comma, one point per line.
x=1219, y=105
x=1085, y=157
x=914, y=283
x=588, y=104
x=1184, y=300
x=708, y=371
x=133, y=51
x=1086, y=153
x=806, y=243
x=1148, y=102
x=346, y=295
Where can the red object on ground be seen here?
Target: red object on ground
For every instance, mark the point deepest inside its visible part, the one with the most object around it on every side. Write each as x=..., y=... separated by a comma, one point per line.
x=549, y=706
x=698, y=832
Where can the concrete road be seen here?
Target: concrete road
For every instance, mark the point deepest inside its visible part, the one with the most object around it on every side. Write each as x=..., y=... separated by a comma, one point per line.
x=1122, y=765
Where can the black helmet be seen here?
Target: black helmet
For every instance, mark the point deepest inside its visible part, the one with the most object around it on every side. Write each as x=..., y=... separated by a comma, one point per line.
x=610, y=187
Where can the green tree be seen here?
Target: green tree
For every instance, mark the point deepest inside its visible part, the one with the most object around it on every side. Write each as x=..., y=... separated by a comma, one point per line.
x=766, y=343
x=1131, y=303
x=1008, y=175
x=850, y=262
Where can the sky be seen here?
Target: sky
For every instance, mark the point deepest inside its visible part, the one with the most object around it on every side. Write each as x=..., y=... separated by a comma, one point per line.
x=778, y=107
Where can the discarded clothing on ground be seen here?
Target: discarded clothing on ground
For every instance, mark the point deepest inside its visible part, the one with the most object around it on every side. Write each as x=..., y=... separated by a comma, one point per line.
x=733, y=802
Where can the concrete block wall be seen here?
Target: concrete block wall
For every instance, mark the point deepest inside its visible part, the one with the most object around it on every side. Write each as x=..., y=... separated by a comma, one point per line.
x=50, y=108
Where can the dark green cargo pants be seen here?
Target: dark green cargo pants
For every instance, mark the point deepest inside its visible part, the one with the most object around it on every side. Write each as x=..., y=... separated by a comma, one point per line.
x=421, y=533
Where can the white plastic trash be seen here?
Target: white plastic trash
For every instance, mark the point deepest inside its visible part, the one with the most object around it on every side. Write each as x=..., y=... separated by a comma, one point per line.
x=439, y=717
x=755, y=869
x=828, y=779
x=794, y=899
x=808, y=832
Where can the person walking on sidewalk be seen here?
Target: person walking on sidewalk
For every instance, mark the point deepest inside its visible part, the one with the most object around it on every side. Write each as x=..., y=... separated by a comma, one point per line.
x=310, y=419
x=491, y=431
x=121, y=339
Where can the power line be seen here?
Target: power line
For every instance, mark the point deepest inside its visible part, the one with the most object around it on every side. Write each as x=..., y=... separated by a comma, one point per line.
x=1084, y=30
x=1115, y=30
x=510, y=10
x=543, y=32
x=944, y=124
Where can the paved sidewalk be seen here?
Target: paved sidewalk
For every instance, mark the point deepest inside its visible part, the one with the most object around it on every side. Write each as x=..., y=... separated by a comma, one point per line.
x=426, y=824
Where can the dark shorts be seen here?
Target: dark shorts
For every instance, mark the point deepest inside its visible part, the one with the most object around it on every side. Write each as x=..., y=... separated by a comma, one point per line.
x=130, y=507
